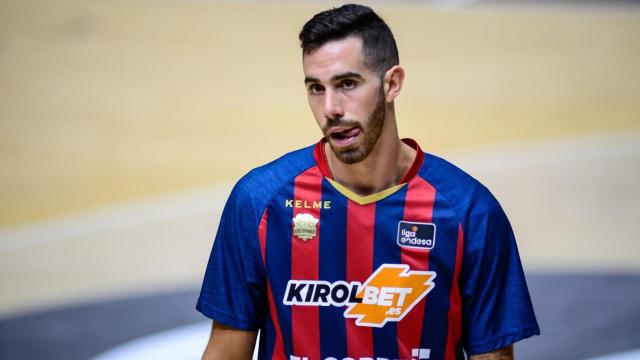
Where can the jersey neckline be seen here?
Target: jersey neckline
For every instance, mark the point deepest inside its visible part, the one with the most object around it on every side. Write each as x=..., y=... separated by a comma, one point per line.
x=323, y=165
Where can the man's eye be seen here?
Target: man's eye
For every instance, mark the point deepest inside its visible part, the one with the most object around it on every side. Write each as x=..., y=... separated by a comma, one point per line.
x=315, y=89
x=349, y=84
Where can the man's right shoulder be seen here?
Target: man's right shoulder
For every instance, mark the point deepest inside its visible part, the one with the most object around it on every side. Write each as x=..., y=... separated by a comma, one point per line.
x=263, y=182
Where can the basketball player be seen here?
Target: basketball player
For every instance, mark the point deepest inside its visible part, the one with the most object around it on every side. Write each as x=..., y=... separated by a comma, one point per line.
x=362, y=246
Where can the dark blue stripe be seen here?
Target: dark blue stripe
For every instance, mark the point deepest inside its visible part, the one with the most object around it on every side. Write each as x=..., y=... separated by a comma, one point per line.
x=459, y=352
x=389, y=211
x=267, y=339
x=333, y=267
x=442, y=261
x=268, y=331
x=278, y=258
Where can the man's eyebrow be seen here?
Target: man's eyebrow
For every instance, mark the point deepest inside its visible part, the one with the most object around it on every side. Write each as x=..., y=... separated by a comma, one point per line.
x=347, y=75
x=309, y=79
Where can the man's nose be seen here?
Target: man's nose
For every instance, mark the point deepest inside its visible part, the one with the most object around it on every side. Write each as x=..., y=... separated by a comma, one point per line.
x=333, y=105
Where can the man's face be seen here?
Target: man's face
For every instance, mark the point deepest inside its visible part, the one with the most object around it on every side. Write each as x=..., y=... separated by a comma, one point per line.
x=345, y=97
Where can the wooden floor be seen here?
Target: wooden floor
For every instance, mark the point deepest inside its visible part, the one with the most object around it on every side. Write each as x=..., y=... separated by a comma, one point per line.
x=107, y=108
x=105, y=101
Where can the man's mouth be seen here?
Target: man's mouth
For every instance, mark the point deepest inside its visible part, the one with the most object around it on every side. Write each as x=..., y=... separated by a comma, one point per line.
x=344, y=136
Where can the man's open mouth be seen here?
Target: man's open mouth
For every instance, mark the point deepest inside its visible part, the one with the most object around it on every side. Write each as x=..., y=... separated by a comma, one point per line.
x=344, y=136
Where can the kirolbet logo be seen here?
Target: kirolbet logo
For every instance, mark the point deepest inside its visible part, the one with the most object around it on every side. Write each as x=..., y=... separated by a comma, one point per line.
x=387, y=295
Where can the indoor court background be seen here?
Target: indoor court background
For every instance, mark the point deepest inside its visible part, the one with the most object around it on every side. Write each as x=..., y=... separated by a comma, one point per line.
x=123, y=125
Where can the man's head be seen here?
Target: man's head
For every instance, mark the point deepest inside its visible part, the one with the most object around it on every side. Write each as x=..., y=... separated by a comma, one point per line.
x=351, y=69
x=379, y=46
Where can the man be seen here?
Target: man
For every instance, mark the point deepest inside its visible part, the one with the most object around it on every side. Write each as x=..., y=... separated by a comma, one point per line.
x=362, y=246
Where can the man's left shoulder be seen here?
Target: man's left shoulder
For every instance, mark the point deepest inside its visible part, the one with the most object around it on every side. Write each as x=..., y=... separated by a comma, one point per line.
x=460, y=188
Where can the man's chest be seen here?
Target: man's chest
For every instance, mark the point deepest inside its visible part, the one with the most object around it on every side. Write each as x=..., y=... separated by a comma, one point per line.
x=375, y=259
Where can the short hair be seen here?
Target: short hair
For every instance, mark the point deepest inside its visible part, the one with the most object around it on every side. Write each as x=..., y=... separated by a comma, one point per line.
x=378, y=45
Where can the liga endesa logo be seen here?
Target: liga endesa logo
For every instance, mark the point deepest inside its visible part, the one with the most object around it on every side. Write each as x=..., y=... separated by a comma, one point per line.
x=416, y=235
x=387, y=295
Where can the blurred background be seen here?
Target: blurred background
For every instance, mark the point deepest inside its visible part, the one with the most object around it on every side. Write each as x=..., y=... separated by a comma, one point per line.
x=123, y=125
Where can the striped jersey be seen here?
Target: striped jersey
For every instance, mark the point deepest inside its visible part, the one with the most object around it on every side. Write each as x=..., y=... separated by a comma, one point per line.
x=428, y=269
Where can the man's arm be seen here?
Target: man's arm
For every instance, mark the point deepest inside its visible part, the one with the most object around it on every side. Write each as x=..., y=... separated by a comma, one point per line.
x=227, y=343
x=506, y=353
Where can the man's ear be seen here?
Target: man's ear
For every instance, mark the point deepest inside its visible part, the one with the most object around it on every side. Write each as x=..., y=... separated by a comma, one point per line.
x=393, y=80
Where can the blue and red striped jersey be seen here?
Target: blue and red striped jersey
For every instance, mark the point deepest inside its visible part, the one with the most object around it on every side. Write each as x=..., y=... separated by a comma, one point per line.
x=428, y=269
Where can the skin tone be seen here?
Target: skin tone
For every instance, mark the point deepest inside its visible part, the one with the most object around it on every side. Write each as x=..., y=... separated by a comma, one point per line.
x=229, y=343
x=354, y=107
x=506, y=353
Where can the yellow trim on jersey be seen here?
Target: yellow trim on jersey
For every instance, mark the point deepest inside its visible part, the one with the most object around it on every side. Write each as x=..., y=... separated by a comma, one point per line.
x=364, y=200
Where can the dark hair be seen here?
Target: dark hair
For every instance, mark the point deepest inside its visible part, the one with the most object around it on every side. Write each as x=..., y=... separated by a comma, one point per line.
x=378, y=45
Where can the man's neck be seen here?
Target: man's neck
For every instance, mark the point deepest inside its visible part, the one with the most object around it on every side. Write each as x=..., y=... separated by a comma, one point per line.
x=384, y=168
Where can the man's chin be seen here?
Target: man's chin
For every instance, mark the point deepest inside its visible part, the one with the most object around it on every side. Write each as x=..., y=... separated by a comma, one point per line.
x=350, y=154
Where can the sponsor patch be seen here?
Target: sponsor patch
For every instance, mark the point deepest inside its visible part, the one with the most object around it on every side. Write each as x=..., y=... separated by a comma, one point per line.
x=387, y=295
x=416, y=235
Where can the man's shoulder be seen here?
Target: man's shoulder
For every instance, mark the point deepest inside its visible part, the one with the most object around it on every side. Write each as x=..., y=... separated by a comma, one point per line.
x=263, y=181
x=462, y=190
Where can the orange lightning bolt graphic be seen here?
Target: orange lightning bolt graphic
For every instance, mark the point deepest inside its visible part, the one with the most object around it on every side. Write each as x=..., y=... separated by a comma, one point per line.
x=389, y=294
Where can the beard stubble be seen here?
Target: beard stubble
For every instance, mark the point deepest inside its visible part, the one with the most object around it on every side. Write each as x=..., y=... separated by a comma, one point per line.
x=356, y=153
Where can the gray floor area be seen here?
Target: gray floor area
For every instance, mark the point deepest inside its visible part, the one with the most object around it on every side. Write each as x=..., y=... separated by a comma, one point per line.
x=581, y=316
x=84, y=330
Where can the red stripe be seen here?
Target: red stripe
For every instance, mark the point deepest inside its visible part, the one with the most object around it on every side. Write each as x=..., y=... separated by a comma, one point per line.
x=262, y=236
x=305, y=320
x=417, y=161
x=419, y=208
x=278, y=350
x=360, y=222
x=455, y=311
x=321, y=158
